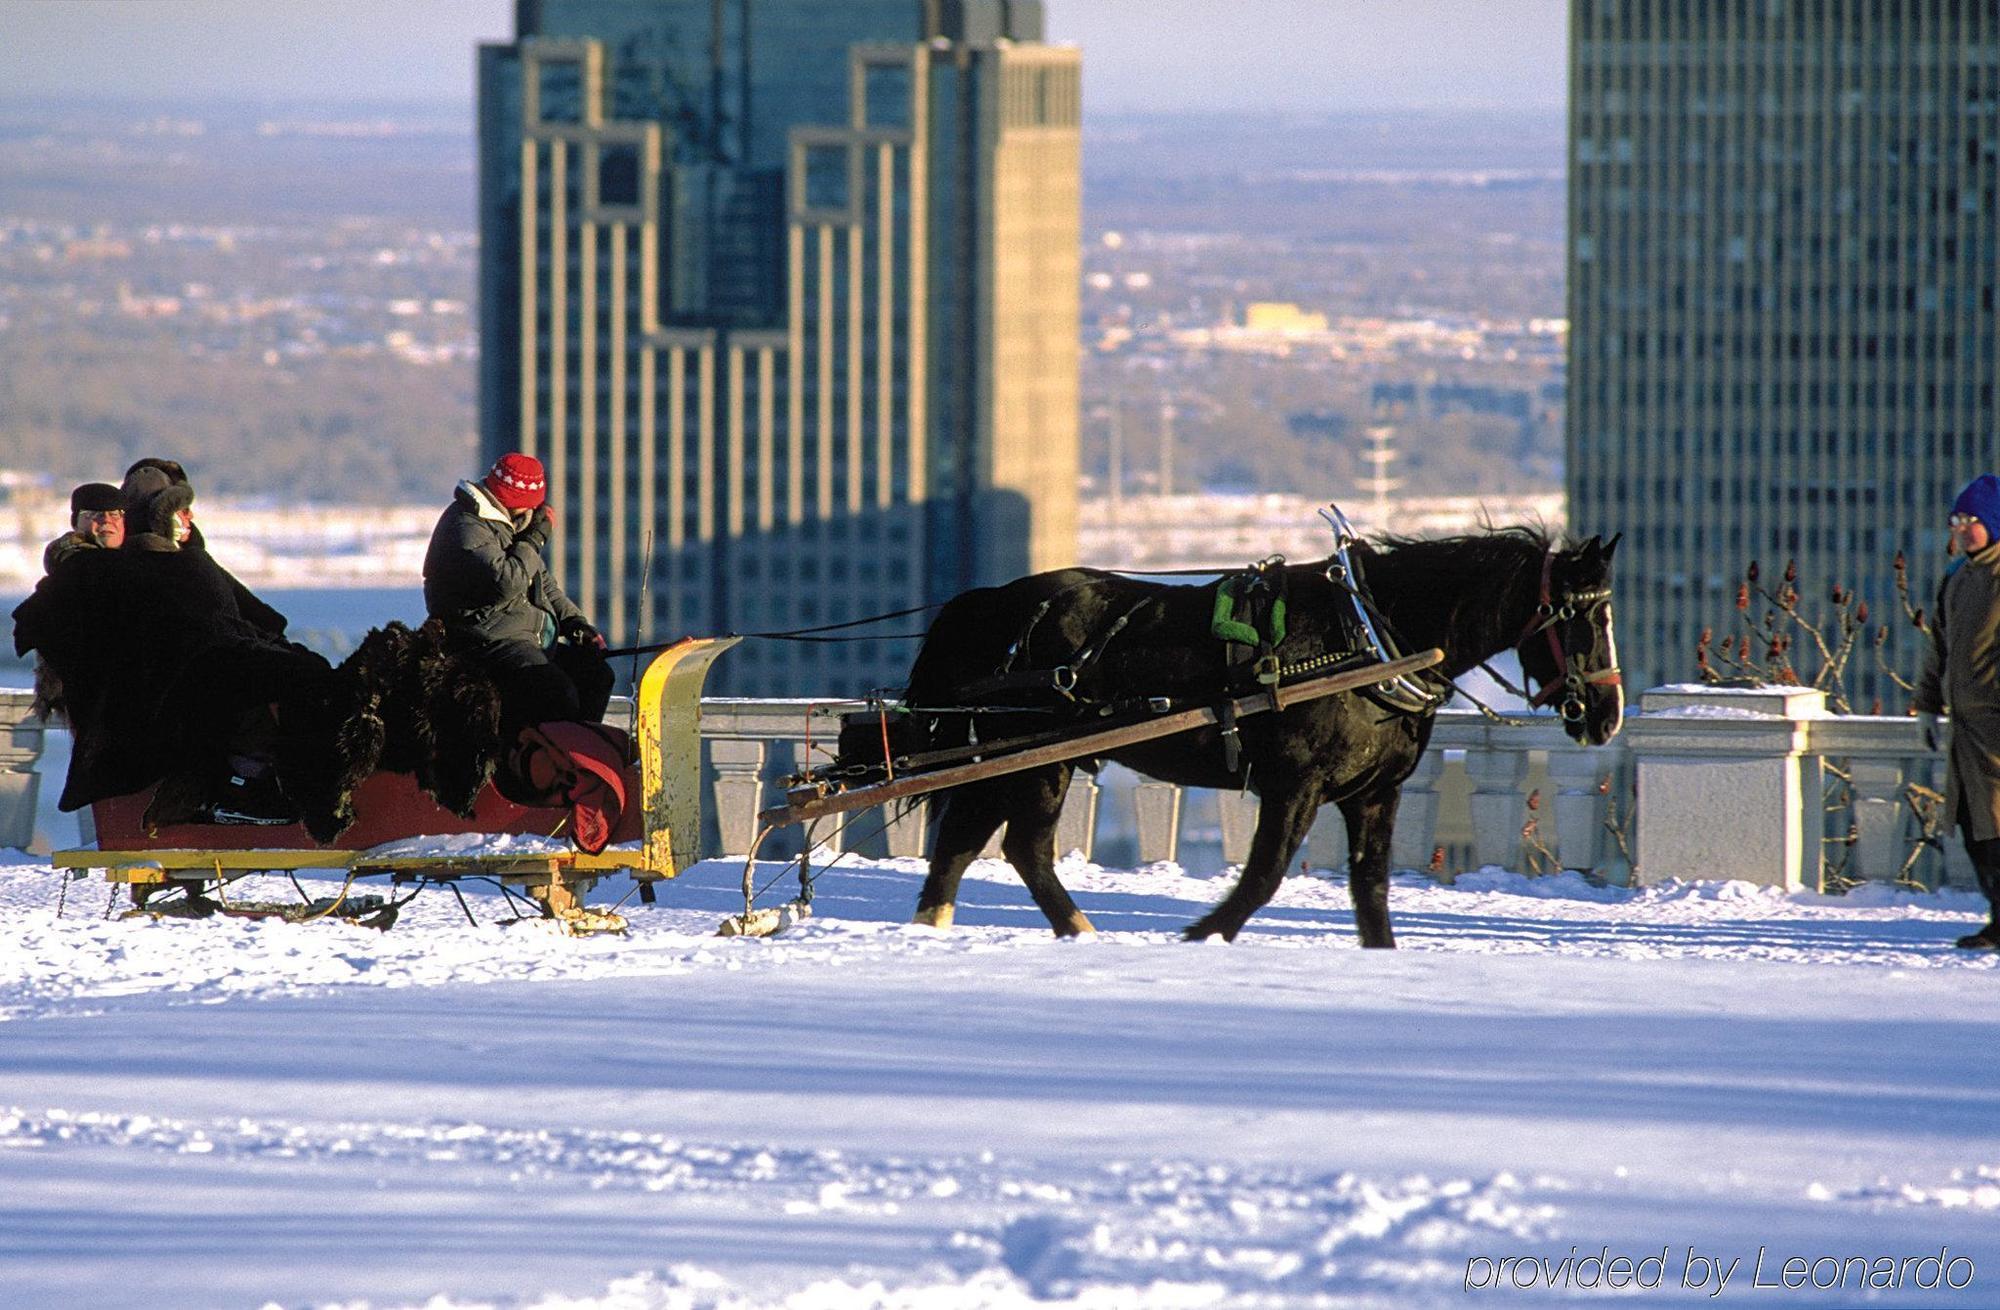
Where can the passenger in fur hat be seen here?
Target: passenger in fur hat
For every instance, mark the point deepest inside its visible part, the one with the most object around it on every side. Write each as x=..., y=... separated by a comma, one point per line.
x=96, y=522
x=150, y=478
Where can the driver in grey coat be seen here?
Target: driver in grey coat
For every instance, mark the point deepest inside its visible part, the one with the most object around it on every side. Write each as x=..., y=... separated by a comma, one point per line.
x=486, y=576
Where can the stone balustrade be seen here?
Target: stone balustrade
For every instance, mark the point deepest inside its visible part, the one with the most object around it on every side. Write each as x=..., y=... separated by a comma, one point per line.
x=1729, y=784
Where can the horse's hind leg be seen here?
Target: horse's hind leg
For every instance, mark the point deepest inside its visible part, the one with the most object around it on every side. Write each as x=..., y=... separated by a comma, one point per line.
x=971, y=815
x=1371, y=819
x=1030, y=846
x=1282, y=823
x=1029, y=804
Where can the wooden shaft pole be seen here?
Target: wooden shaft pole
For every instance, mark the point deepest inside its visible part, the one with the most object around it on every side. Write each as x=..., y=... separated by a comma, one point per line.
x=806, y=804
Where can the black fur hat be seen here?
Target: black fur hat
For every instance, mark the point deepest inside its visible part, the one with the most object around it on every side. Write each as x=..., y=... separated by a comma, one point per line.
x=151, y=501
x=171, y=467
x=141, y=485
x=94, y=498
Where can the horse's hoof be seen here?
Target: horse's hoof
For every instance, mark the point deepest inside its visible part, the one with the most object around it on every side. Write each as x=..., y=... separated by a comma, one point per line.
x=1075, y=926
x=936, y=916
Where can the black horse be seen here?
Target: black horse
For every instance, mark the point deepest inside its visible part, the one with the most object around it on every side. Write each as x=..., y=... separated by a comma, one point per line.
x=1124, y=639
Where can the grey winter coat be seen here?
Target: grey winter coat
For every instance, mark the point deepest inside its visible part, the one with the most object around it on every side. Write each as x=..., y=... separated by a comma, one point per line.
x=1962, y=674
x=485, y=583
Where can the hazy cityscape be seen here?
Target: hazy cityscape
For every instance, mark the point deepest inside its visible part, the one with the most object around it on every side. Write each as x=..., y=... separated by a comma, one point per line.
x=285, y=302
x=319, y=274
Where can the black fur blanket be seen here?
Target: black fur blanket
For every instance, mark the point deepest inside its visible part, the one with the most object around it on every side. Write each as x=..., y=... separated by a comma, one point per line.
x=401, y=703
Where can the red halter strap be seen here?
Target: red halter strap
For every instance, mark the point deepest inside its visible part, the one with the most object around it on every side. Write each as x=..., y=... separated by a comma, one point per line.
x=1544, y=619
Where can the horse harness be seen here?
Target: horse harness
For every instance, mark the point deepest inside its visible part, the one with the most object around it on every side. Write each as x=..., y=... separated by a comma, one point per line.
x=1573, y=671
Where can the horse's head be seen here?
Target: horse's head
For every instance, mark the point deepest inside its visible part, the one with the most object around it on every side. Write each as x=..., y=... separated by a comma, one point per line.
x=1567, y=650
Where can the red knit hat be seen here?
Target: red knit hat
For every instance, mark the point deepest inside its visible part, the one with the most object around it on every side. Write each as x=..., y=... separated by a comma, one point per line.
x=517, y=481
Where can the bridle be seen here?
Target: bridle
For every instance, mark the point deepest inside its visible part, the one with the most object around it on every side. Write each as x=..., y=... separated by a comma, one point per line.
x=1573, y=671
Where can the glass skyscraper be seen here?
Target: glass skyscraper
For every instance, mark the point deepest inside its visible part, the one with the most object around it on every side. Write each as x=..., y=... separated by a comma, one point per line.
x=1781, y=278
x=784, y=293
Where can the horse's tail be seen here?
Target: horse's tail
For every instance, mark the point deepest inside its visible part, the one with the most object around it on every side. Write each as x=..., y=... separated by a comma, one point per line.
x=949, y=649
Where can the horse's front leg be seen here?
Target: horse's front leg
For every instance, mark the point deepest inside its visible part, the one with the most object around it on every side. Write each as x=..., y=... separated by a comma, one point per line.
x=1282, y=823
x=1371, y=819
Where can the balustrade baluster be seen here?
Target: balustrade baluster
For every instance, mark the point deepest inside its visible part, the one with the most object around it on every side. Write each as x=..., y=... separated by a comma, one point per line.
x=1498, y=807
x=1159, y=813
x=738, y=790
x=20, y=785
x=1417, y=814
x=1237, y=813
x=1879, y=848
x=1580, y=805
x=1076, y=829
x=907, y=829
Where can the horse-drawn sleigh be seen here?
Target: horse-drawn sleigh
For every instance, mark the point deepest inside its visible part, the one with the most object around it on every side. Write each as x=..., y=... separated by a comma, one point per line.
x=1289, y=681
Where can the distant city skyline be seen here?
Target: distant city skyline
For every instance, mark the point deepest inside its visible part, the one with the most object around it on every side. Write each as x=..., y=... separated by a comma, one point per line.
x=1158, y=56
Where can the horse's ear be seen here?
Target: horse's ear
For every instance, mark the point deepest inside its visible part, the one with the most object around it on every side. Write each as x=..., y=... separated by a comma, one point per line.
x=1611, y=545
x=1591, y=551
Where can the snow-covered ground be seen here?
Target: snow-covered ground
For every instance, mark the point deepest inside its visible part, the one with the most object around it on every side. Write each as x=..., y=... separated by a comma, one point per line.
x=864, y=1113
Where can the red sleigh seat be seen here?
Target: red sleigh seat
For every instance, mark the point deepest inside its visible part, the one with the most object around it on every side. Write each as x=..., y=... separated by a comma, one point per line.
x=387, y=807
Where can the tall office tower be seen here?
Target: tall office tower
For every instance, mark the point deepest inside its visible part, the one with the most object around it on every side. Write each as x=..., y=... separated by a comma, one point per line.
x=1781, y=284
x=784, y=293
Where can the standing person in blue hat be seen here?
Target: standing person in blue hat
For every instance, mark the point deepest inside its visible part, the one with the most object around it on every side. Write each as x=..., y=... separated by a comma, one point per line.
x=1962, y=674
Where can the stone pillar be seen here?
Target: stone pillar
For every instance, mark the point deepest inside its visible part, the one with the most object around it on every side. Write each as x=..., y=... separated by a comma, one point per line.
x=20, y=786
x=1076, y=828
x=1578, y=814
x=1498, y=807
x=1728, y=787
x=1159, y=811
x=1237, y=813
x=1417, y=814
x=738, y=791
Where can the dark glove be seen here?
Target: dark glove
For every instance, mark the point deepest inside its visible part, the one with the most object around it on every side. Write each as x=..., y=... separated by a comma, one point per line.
x=578, y=632
x=1930, y=727
x=536, y=534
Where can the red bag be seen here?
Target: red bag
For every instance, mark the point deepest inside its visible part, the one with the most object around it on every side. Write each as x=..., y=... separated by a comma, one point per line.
x=581, y=765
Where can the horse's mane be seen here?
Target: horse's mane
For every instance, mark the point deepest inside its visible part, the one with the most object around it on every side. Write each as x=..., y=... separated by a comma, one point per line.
x=1415, y=575
x=1490, y=546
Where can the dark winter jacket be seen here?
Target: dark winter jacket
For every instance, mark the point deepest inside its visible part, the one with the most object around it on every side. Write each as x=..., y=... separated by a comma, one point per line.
x=486, y=583
x=150, y=505
x=1962, y=674
x=156, y=657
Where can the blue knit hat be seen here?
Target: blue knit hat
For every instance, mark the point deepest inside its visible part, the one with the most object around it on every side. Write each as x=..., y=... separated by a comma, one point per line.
x=1981, y=499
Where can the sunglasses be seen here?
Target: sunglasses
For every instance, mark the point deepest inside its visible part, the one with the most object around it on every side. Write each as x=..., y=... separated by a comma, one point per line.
x=1962, y=520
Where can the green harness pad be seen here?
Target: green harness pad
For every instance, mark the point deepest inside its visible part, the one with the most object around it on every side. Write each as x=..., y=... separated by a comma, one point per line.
x=1236, y=612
